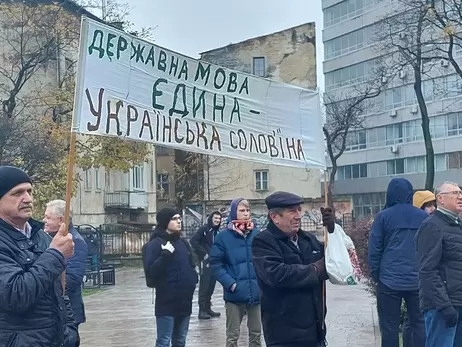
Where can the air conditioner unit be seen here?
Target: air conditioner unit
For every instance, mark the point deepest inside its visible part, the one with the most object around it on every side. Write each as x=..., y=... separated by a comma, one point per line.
x=414, y=109
x=393, y=113
x=444, y=63
x=402, y=74
x=394, y=149
x=384, y=79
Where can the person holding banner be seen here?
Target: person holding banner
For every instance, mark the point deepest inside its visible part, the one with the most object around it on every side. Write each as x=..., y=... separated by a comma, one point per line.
x=33, y=309
x=291, y=271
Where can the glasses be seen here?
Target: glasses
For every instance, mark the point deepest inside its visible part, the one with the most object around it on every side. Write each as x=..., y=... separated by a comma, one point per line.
x=454, y=192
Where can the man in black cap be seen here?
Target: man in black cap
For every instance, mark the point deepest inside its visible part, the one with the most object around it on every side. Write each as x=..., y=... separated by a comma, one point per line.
x=169, y=266
x=33, y=310
x=290, y=268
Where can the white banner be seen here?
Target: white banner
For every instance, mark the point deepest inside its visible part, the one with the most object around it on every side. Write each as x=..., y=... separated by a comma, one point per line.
x=130, y=88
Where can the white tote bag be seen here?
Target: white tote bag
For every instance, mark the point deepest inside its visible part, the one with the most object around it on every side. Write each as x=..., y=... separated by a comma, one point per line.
x=338, y=263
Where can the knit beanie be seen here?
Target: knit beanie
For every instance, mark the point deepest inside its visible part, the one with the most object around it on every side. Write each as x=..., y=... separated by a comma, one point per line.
x=10, y=177
x=421, y=197
x=164, y=216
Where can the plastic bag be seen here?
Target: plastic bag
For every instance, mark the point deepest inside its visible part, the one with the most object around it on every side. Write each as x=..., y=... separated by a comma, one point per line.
x=339, y=265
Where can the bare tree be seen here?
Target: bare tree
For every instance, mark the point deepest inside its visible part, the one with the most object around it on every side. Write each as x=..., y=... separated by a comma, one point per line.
x=408, y=37
x=344, y=117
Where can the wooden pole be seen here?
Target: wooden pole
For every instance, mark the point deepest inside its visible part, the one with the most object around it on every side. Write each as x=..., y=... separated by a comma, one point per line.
x=325, y=245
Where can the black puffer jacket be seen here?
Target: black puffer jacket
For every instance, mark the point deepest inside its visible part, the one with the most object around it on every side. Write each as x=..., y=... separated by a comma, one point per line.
x=33, y=310
x=202, y=240
x=439, y=250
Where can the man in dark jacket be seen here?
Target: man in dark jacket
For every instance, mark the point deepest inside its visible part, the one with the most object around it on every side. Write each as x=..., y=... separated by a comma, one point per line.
x=201, y=243
x=290, y=269
x=169, y=263
x=231, y=260
x=393, y=263
x=75, y=271
x=439, y=250
x=33, y=310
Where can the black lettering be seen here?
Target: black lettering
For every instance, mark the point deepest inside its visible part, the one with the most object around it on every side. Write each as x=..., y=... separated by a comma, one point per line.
x=122, y=46
x=199, y=104
x=235, y=111
x=219, y=72
x=291, y=147
x=281, y=146
x=300, y=151
x=245, y=86
x=232, y=83
x=110, y=45
x=156, y=93
x=178, y=139
x=189, y=135
x=131, y=118
x=218, y=107
x=184, y=70
x=215, y=138
x=201, y=135
x=167, y=127
x=272, y=146
x=231, y=142
x=114, y=116
x=146, y=123
x=97, y=34
x=137, y=52
x=242, y=139
x=173, y=110
x=162, y=62
x=253, y=144
x=150, y=57
x=203, y=72
x=157, y=126
x=96, y=113
x=173, y=65
x=262, y=145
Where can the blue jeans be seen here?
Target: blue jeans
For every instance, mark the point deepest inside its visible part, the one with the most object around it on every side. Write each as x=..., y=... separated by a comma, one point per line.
x=438, y=335
x=172, y=330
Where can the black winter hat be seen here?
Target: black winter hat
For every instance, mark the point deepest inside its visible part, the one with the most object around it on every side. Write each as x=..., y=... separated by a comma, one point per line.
x=164, y=216
x=10, y=177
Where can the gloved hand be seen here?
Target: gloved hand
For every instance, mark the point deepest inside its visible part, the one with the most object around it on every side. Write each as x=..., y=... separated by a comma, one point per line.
x=320, y=266
x=168, y=247
x=328, y=218
x=450, y=316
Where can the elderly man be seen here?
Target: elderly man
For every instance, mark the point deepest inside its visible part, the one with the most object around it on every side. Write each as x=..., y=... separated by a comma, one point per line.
x=290, y=269
x=54, y=217
x=439, y=250
x=33, y=311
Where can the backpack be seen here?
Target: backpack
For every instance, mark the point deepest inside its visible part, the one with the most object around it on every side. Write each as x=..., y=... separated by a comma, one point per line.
x=150, y=282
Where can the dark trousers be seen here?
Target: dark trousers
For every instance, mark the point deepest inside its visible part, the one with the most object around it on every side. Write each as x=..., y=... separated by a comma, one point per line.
x=206, y=286
x=389, y=311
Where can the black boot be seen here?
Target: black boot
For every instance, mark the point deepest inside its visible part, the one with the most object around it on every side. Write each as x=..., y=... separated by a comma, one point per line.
x=213, y=314
x=203, y=314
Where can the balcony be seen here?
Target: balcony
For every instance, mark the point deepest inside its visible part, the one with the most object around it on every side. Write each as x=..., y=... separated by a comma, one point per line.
x=132, y=200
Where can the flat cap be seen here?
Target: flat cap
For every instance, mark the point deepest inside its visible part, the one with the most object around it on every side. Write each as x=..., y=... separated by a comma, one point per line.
x=282, y=199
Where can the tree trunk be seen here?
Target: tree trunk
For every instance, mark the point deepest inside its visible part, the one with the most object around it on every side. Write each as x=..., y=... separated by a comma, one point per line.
x=430, y=155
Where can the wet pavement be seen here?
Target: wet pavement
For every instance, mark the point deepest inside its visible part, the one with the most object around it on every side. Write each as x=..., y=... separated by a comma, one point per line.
x=124, y=316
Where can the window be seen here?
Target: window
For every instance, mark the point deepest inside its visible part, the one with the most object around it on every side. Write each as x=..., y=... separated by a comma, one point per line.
x=454, y=160
x=368, y=204
x=347, y=9
x=87, y=181
x=352, y=171
x=352, y=74
x=415, y=165
x=455, y=124
x=413, y=131
x=259, y=68
x=162, y=184
x=356, y=140
x=138, y=177
x=349, y=42
x=261, y=180
x=97, y=179
x=394, y=133
x=162, y=151
x=395, y=167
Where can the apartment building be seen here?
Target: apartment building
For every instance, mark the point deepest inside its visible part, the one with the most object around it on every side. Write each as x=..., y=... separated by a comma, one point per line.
x=391, y=144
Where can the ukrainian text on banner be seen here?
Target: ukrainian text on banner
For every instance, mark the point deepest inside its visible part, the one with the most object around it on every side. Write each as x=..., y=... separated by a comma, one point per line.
x=129, y=88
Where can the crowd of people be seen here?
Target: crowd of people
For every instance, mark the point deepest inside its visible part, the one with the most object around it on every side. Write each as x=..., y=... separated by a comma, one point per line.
x=273, y=274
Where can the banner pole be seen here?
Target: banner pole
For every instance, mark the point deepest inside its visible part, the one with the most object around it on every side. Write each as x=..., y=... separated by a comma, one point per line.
x=326, y=203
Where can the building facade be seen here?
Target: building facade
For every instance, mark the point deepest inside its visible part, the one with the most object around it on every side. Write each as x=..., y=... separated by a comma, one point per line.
x=391, y=145
x=287, y=56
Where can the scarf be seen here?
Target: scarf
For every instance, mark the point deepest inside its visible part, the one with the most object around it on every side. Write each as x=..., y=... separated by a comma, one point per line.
x=242, y=227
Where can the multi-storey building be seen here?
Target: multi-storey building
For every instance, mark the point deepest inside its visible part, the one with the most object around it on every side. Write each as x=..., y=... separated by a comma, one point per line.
x=391, y=143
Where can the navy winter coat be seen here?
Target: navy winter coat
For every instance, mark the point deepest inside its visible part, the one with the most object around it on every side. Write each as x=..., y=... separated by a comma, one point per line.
x=392, y=249
x=174, y=274
x=74, y=275
x=231, y=261
x=33, y=310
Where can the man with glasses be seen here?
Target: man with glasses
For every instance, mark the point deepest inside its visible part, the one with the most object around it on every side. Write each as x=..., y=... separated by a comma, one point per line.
x=439, y=251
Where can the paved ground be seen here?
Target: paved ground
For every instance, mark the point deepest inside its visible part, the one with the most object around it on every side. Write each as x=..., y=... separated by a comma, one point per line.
x=123, y=316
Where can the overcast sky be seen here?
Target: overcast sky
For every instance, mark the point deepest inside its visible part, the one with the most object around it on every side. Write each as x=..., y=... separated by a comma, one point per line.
x=200, y=25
